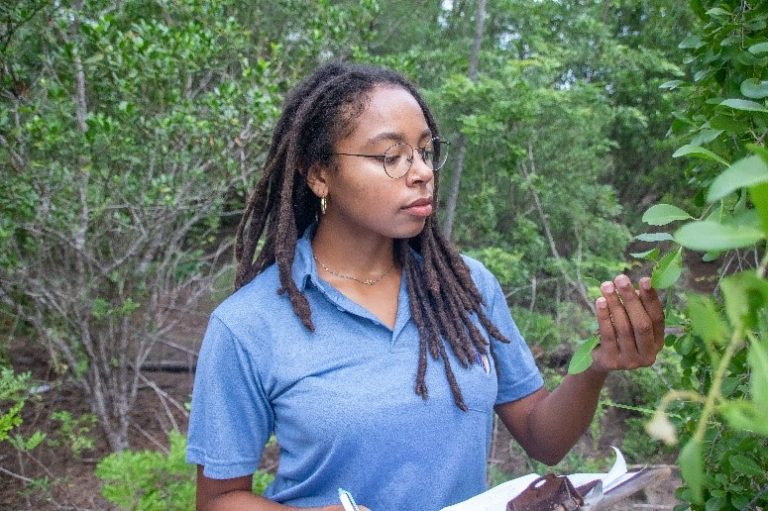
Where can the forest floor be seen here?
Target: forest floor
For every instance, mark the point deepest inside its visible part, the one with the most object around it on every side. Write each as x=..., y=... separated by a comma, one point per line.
x=52, y=478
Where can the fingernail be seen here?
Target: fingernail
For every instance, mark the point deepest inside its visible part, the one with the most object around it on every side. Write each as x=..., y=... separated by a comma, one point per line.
x=601, y=303
x=623, y=281
x=645, y=283
x=607, y=287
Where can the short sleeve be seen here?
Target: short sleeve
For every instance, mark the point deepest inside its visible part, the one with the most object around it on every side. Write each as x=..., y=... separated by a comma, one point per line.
x=516, y=369
x=231, y=418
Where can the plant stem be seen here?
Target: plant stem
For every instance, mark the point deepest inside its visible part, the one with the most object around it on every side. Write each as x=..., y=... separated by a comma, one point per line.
x=763, y=264
x=717, y=381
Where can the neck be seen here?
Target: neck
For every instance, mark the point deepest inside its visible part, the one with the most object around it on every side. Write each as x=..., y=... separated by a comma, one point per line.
x=349, y=253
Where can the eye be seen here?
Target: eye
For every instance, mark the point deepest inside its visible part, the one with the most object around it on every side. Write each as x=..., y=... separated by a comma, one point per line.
x=427, y=154
x=391, y=159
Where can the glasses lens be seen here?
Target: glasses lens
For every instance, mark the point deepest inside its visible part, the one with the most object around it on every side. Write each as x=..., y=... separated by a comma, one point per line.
x=442, y=147
x=397, y=160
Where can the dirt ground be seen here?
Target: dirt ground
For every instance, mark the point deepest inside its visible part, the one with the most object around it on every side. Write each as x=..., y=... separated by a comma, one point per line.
x=63, y=481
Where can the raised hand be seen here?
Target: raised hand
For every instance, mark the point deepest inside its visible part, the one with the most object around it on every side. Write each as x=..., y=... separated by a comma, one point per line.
x=631, y=325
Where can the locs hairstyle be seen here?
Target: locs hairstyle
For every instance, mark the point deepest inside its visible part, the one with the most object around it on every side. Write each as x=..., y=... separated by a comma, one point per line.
x=320, y=111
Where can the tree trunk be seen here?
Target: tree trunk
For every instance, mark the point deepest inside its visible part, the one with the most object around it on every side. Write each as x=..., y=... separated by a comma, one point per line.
x=461, y=142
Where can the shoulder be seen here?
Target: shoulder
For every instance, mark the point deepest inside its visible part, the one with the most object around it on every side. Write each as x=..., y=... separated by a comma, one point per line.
x=253, y=301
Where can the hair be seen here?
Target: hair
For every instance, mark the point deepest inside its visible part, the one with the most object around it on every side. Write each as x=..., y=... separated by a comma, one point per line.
x=319, y=112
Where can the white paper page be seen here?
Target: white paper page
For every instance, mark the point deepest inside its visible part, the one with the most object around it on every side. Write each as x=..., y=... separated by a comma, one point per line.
x=496, y=498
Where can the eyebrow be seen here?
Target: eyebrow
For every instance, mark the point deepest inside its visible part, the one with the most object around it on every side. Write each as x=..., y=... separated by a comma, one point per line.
x=396, y=137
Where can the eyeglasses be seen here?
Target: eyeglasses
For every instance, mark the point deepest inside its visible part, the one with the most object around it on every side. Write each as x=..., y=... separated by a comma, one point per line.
x=397, y=159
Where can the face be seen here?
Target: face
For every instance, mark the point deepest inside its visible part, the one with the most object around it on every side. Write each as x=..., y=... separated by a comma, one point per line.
x=362, y=199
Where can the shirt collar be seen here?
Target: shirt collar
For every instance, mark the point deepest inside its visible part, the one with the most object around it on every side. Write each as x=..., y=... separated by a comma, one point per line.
x=304, y=268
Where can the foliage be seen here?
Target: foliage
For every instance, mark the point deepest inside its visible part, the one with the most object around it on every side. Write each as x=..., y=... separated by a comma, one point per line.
x=724, y=346
x=13, y=391
x=152, y=481
x=135, y=123
x=76, y=433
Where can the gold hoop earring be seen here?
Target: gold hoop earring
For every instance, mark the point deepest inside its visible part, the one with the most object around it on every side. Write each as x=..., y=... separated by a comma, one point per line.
x=323, y=204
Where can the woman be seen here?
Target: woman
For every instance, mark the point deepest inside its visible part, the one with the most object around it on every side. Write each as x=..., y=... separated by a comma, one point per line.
x=358, y=335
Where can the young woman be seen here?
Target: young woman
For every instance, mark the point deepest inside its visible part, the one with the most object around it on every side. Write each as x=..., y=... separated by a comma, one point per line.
x=360, y=338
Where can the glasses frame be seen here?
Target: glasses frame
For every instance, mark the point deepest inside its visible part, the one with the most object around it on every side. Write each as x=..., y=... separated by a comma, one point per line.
x=436, y=142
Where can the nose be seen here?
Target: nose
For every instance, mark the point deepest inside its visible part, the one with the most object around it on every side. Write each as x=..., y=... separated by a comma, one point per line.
x=419, y=172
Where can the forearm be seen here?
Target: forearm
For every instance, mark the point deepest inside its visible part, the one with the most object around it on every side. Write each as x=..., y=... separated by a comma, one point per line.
x=242, y=500
x=558, y=420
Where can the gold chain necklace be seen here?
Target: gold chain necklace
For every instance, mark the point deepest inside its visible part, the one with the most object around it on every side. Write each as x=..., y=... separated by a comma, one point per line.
x=367, y=282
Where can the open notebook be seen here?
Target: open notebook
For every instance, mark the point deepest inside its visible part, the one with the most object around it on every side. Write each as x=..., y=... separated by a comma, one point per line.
x=496, y=498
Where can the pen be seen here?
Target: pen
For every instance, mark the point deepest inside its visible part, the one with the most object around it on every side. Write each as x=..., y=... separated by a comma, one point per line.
x=347, y=500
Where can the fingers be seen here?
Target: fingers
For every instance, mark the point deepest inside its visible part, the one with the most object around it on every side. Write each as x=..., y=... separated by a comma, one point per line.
x=653, y=307
x=631, y=324
x=640, y=327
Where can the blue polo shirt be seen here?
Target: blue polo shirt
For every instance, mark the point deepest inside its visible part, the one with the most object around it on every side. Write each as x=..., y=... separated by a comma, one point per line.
x=341, y=400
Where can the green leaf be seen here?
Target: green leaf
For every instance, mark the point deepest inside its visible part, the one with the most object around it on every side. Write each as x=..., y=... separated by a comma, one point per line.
x=746, y=465
x=744, y=104
x=650, y=255
x=758, y=48
x=670, y=85
x=582, y=357
x=662, y=214
x=708, y=235
x=653, y=237
x=698, y=152
x=759, y=196
x=705, y=319
x=745, y=416
x=668, y=270
x=691, y=42
x=758, y=362
x=710, y=256
x=746, y=172
x=745, y=294
x=752, y=88
x=706, y=135
x=718, y=11
x=692, y=469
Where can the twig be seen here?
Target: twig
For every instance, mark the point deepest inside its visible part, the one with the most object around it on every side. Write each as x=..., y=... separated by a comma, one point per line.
x=15, y=475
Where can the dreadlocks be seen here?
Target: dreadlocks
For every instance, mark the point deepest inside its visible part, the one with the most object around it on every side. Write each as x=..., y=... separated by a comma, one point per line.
x=320, y=111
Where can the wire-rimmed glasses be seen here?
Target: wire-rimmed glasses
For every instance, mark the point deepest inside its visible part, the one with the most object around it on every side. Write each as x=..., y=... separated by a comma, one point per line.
x=397, y=158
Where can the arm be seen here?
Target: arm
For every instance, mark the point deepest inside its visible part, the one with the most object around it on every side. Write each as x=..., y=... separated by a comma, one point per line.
x=236, y=495
x=631, y=326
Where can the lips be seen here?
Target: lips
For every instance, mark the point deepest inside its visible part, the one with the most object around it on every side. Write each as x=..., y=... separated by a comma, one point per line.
x=420, y=207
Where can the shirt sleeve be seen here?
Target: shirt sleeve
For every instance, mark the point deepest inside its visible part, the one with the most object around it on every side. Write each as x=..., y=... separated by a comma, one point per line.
x=231, y=418
x=516, y=369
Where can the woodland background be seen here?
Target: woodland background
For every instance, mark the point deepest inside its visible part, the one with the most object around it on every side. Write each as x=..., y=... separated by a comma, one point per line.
x=589, y=137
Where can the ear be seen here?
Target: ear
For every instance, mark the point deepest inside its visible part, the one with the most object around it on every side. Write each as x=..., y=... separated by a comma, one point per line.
x=317, y=179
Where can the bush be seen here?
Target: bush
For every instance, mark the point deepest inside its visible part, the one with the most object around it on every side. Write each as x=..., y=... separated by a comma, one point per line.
x=153, y=481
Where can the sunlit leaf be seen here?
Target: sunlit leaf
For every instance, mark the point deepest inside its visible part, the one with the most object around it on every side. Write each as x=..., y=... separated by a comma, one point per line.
x=670, y=85
x=705, y=319
x=698, y=152
x=582, y=357
x=746, y=172
x=650, y=255
x=754, y=88
x=652, y=237
x=745, y=294
x=708, y=235
x=759, y=196
x=758, y=362
x=759, y=48
x=668, y=270
x=744, y=104
x=692, y=469
x=662, y=214
x=746, y=416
